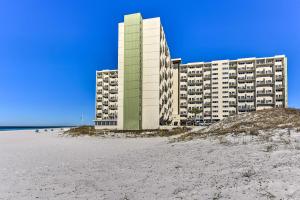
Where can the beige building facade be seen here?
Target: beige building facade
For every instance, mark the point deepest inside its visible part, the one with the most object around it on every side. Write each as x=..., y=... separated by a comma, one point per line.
x=219, y=89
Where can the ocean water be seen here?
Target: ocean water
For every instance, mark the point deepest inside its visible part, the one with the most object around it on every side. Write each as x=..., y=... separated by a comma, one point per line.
x=15, y=128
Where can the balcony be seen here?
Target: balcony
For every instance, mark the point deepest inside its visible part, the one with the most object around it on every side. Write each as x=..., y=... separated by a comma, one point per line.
x=279, y=77
x=279, y=68
x=113, y=91
x=105, y=87
x=232, y=75
x=198, y=83
x=113, y=83
x=232, y=94
x=244, y=89
x=264, y=93
x=183, y=96
x=232, y=85
x=183, y=105
x=113, y=99
x=113, y=75
x=246, y=108
x=194, y=101
x=232, y=103
x=105, y=80
x=207, y=95
x=265, y=103
x=245, y=99
x=190, y=83
x=232, y=66
x=183, y=87
x=99, y=84
x=183, y=79
x=207, y=104
x=264, y=73
x=195, y=74
x=206, y=68
x=207, y=86
x=231, y=112
x=113, y=107
x=279, y=87
x=279, y=97
x=183, y=69
x=264, y=83
x=105, y=103
x=207, y=114
x=99, y=91
x=105, y=95
x=206, y=77
x=99, y=99
x=191, y=92
x=246, y=69
x=99, y=107
x=112, y=116
x=263, y=63
x=246, y=79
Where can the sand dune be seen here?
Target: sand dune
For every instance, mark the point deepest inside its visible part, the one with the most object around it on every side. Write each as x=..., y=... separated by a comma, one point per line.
x=52, y=166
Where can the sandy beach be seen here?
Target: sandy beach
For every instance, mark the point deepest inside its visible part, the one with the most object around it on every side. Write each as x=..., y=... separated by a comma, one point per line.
x=52, y=166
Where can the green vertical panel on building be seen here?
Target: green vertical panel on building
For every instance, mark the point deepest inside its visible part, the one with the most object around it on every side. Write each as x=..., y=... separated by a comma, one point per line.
x=132, y=71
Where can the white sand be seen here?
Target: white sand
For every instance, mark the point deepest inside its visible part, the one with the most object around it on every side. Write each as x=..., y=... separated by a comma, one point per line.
x=50, y=166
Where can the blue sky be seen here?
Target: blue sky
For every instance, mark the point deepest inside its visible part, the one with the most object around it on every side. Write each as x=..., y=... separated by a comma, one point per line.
x=50, y=50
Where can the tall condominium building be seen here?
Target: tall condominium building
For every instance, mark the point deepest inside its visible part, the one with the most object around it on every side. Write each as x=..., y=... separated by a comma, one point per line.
x=211, y=91
x=149, y=90
x=144, y=77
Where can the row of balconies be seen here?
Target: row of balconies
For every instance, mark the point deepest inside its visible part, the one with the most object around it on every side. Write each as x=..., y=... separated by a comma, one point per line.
x=194, y=72
x=264, y=102
x=246, y=69
x=264, y=83
x=207, y=68
x=264, y=92
x=110, y=116
x=264, y=73
x=246, y=78
x=113, y=107
x=113, y=83
x=195, y=101
x=244, y=88
x=194, y=92
x=193, y=83
x=264, y=62
x=245, y=98
x=246, y=108
x=113, y=75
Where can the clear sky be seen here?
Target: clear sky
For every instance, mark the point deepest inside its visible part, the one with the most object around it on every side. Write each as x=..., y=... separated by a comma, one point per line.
x=50, y=50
